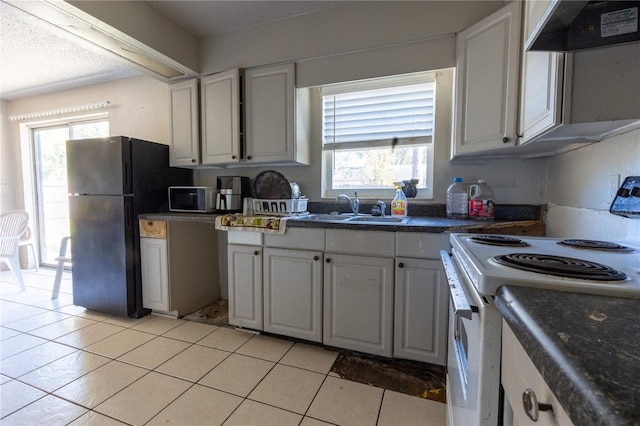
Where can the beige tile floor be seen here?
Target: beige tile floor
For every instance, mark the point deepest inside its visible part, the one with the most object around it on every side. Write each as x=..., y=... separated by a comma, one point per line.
x=61, y=364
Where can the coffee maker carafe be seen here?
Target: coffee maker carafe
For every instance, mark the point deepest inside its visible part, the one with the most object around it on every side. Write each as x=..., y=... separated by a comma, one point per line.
x=231, y=191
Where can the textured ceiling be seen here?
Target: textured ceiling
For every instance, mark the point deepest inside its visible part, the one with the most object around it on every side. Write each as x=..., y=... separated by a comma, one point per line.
x=37, y=57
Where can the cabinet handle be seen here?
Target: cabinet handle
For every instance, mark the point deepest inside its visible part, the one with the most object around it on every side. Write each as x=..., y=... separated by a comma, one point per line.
x=531, y=405
x=328, y=260
x=505, y=140
x=256, y=253
x=233, y=157
x=248, y=157
x=400, y=265
x=315, y=258
x=150, y=223
x=193, y=160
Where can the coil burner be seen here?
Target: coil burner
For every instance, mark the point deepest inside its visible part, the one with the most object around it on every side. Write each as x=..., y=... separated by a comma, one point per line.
x=596, y=245
x=499, y=240
x=560, y=266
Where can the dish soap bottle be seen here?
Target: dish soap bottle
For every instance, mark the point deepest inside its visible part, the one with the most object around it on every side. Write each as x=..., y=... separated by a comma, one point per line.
x=399, y=203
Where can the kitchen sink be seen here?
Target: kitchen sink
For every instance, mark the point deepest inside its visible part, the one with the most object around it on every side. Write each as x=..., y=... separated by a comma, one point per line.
x=378, y=219
x=349, y=218
x=325, y=217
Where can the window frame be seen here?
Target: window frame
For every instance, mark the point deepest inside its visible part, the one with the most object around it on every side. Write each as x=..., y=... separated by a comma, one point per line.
x=327, y=154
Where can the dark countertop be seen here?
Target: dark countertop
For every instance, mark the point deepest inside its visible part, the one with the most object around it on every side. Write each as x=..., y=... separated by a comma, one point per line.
x=415, y=224
x=587, y=349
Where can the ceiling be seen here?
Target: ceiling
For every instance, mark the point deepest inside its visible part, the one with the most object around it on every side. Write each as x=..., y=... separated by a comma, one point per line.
x=37, y=57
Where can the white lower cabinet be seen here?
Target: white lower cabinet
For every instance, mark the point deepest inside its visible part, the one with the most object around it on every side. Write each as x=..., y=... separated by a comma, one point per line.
x=343, y=288
x=358, y=303
x=420, y=315
x=293, y=293
x=245, y=286
x=523, y=386
x=155, y=278
x=179, y=266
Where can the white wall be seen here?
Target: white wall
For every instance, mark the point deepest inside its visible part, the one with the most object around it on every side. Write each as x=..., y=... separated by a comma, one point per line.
x=578, y=192
x=8, y=163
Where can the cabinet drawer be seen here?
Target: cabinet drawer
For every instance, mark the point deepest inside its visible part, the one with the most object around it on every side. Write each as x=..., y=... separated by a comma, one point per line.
x=153, y=228
x=363, y=243
x=244, y=237
x=421, y=245
x=296, y=238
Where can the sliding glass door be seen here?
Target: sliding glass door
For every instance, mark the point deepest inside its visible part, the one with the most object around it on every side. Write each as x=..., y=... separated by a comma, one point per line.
x=51, y=180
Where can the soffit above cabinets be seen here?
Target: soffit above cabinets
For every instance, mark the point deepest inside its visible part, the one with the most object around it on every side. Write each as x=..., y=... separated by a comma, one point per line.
x=103, y=30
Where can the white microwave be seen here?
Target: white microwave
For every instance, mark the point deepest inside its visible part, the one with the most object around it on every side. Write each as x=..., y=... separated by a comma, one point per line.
x=195, y=199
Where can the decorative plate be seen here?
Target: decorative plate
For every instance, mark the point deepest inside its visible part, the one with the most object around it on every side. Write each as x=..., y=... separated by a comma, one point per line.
x=270, y=184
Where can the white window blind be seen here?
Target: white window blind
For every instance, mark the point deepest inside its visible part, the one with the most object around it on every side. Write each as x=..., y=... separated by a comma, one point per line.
x=372, y=118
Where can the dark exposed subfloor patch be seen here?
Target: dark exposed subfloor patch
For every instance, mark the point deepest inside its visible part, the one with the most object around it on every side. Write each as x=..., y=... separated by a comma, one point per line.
x=408, y=377
x=215, y=314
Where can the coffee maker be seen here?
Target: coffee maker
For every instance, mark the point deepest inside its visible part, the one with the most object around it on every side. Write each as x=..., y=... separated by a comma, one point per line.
x=230, y=192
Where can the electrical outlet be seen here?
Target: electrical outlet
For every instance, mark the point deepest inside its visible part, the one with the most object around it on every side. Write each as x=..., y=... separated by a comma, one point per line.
x=613, y=185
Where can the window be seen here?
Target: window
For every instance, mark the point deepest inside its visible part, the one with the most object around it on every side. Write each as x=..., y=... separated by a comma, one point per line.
x=377, y=132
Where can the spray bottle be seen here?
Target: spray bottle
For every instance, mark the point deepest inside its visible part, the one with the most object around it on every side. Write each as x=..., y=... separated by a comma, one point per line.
x=399, y=203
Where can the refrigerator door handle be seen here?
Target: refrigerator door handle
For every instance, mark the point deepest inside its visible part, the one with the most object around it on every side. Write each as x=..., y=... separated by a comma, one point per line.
x=125, y=176
x=127, y=216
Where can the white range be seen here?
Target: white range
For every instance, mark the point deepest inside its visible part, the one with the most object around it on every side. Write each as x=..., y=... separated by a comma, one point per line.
x=478, y=266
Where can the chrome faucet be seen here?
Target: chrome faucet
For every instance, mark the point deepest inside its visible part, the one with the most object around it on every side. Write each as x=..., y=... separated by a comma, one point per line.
x=354, y=203
x=383, y=207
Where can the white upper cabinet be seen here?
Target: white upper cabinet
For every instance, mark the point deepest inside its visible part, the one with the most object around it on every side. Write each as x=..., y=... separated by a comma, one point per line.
x=488, y=57
x=556, y=101
x=220, y=109
x=542, y=82
x=270, y=114
x=269, y=126
x=185, y=135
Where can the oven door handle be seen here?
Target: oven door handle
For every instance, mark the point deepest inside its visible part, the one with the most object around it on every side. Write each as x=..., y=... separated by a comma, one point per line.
x=459, y=300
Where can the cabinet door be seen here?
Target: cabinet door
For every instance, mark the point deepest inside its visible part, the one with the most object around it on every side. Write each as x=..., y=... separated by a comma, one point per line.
x=293, y=293
x=421, y=309
x=245, y=286
x=185, y=136
x=358, y=303
x=155, y=282
x=541, y=93
x=220, y=100
x=519, y=374
x=488, y=55
x=269, y=114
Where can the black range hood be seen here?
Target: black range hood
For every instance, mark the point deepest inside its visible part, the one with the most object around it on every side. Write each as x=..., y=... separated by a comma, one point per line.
x=570, y=25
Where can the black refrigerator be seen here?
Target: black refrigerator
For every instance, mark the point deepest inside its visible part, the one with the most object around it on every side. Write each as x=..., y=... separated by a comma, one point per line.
x=110, y=181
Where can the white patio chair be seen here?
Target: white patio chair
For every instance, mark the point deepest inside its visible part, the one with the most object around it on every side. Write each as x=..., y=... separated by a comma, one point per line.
x=27, y=240
x=62, y=259
x=12, y=226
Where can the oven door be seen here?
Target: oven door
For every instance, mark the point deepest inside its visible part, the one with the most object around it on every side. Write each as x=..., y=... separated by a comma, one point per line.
x=473, y=356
